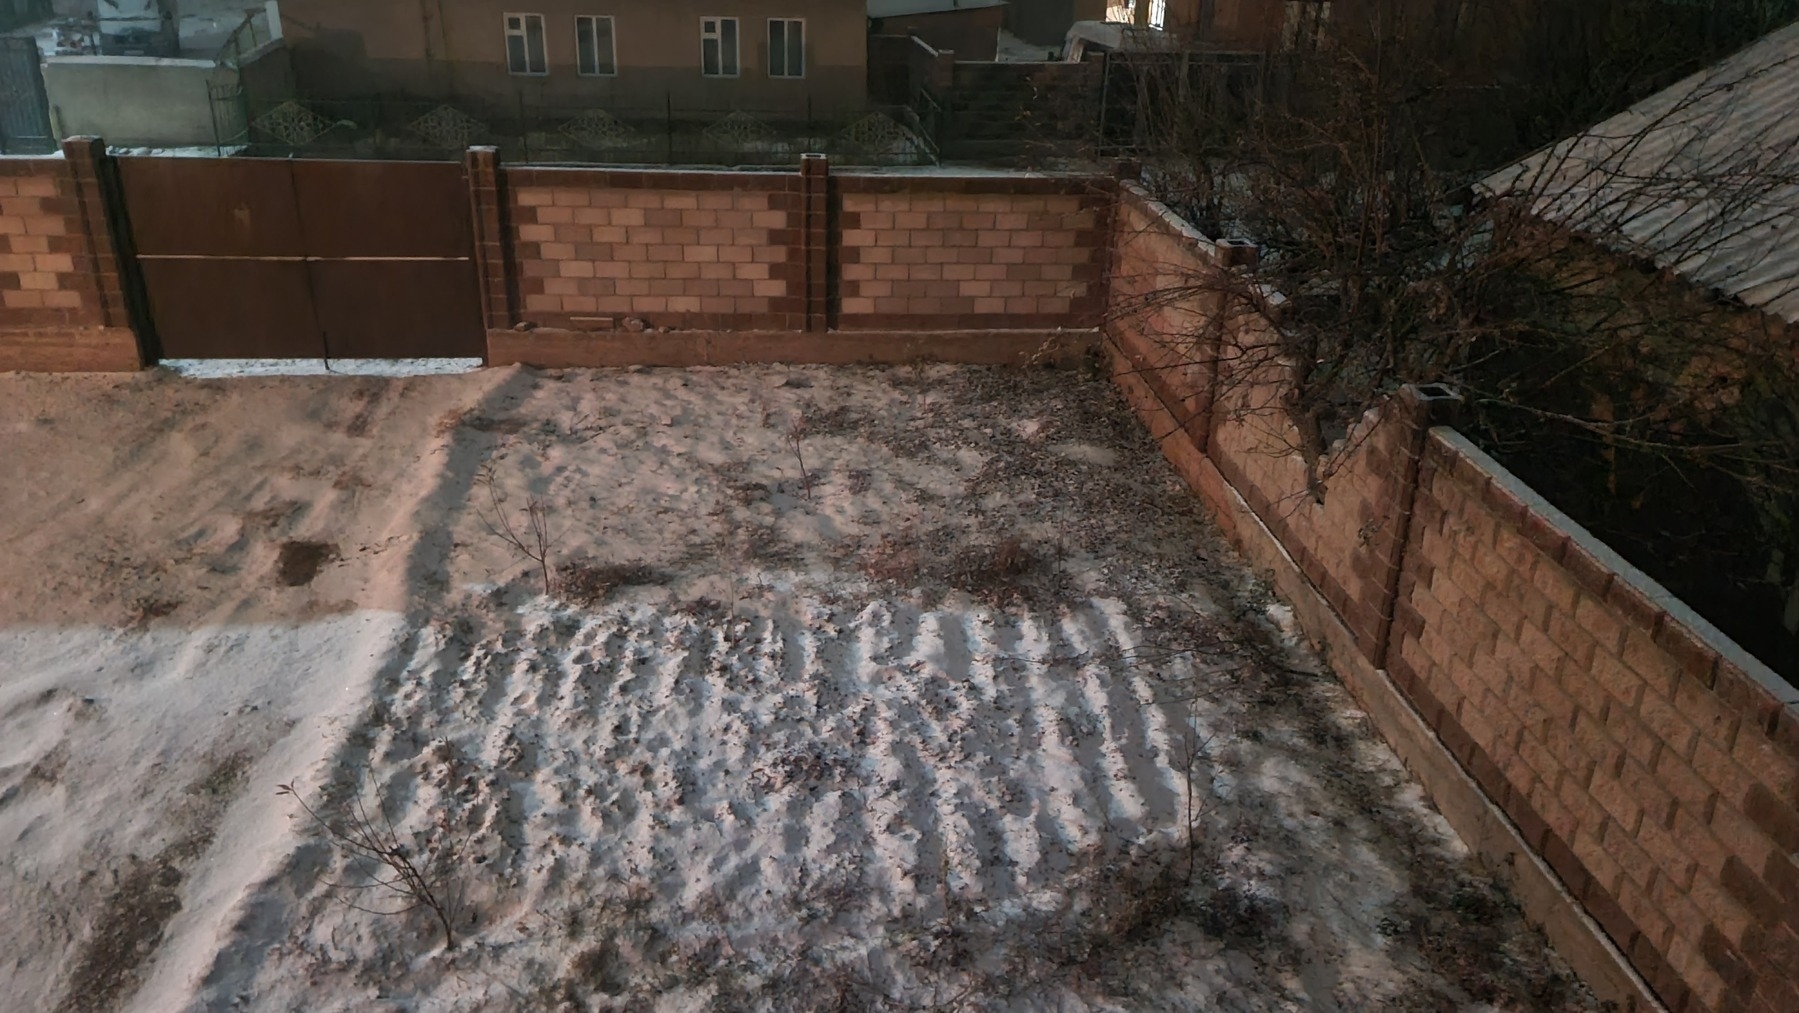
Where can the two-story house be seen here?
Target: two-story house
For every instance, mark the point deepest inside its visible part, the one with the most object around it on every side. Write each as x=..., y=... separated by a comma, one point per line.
x=767, y=56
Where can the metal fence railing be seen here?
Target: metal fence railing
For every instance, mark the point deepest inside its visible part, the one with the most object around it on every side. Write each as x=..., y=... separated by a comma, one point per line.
x=381, y=127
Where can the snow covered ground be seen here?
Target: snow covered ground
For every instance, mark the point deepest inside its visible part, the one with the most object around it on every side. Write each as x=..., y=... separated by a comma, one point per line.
x=854, y=689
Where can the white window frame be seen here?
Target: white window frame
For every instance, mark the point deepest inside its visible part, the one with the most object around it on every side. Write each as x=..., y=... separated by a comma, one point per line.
x=717, y=34
x=788, y=24
x=523, y=32
x=587, y=28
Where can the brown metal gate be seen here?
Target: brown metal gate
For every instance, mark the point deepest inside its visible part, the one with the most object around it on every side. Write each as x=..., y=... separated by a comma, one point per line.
x=272, y=258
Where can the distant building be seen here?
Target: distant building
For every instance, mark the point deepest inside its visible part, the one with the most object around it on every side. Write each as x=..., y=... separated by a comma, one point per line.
x=1697, y=179
x=761, y=56
x=1046, y=22
x=969, y=27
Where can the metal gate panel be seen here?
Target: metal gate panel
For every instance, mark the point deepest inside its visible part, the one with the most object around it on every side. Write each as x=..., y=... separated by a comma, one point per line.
x=384, y=209
x=399, y=309
x=233, y=309
x=212, y=207
x=280, y=258
x=24, y=109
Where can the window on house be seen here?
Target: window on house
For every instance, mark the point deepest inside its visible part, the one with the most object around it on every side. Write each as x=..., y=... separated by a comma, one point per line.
x=595, y=54
x=718, y=47
x=524, y=44
x=786, y=47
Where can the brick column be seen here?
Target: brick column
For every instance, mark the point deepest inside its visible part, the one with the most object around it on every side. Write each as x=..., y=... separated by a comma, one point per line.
x=815, y=207
x=1416, y=410
x=95, y=252
x=487, y=211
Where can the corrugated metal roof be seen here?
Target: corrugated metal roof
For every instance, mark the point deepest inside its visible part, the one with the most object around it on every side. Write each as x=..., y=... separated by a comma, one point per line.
x=1702, y=177
x=900, y=8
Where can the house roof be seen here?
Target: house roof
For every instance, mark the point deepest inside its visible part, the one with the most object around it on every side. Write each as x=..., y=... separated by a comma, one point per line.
x=1702, y=178
x=900, y=8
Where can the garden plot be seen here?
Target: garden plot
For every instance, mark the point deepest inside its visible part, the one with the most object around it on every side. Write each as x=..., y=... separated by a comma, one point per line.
x=852, y=689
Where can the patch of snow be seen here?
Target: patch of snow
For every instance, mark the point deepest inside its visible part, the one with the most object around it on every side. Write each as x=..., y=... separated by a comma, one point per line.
x=214, y=369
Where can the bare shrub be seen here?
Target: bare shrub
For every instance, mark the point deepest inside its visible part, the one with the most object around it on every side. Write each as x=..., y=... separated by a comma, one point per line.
x=413, y=870
x=533, y=540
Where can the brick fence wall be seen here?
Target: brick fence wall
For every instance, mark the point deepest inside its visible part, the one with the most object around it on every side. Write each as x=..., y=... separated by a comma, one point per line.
x=979, y=252
x=61, y=303
x=701, y=257
x=1651, y=764
x=707, y=251
x=571, y=262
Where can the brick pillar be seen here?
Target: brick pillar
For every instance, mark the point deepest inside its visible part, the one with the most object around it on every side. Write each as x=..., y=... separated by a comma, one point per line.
x=1415, y=410
x=487, y=210
x=815, y=207
x=97, y=251
x=1238, y=257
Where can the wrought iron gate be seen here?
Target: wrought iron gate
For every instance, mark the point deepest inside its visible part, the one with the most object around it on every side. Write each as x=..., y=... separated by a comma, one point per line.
x=24, y=110
x=280, y=258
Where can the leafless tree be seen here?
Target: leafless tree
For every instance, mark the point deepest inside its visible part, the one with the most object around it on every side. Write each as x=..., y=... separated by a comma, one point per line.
x=1393, y=249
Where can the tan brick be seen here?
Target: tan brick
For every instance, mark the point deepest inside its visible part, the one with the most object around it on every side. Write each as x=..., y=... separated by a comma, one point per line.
x=21, y=207
x=536, y=233
x=533, y=196
x=713, y=200
x=629, y=217
x=644, y=200
x=576, y=269
x=557, y=251
x=46, y=225
x=12, y=225
x=55, y=263
x=700, y=254
x=561, y=286
x=770, y=288
x=535, y=303
x=37, y=280
x=569, y=197
x=580, y=304
x=769, y=219
x=686, y=269
x=62, y=300
x=752, y=272
x=720, y=271
x=16, y=262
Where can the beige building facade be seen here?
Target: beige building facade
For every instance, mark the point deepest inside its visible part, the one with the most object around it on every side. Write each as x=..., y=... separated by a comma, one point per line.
x=791, y=57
